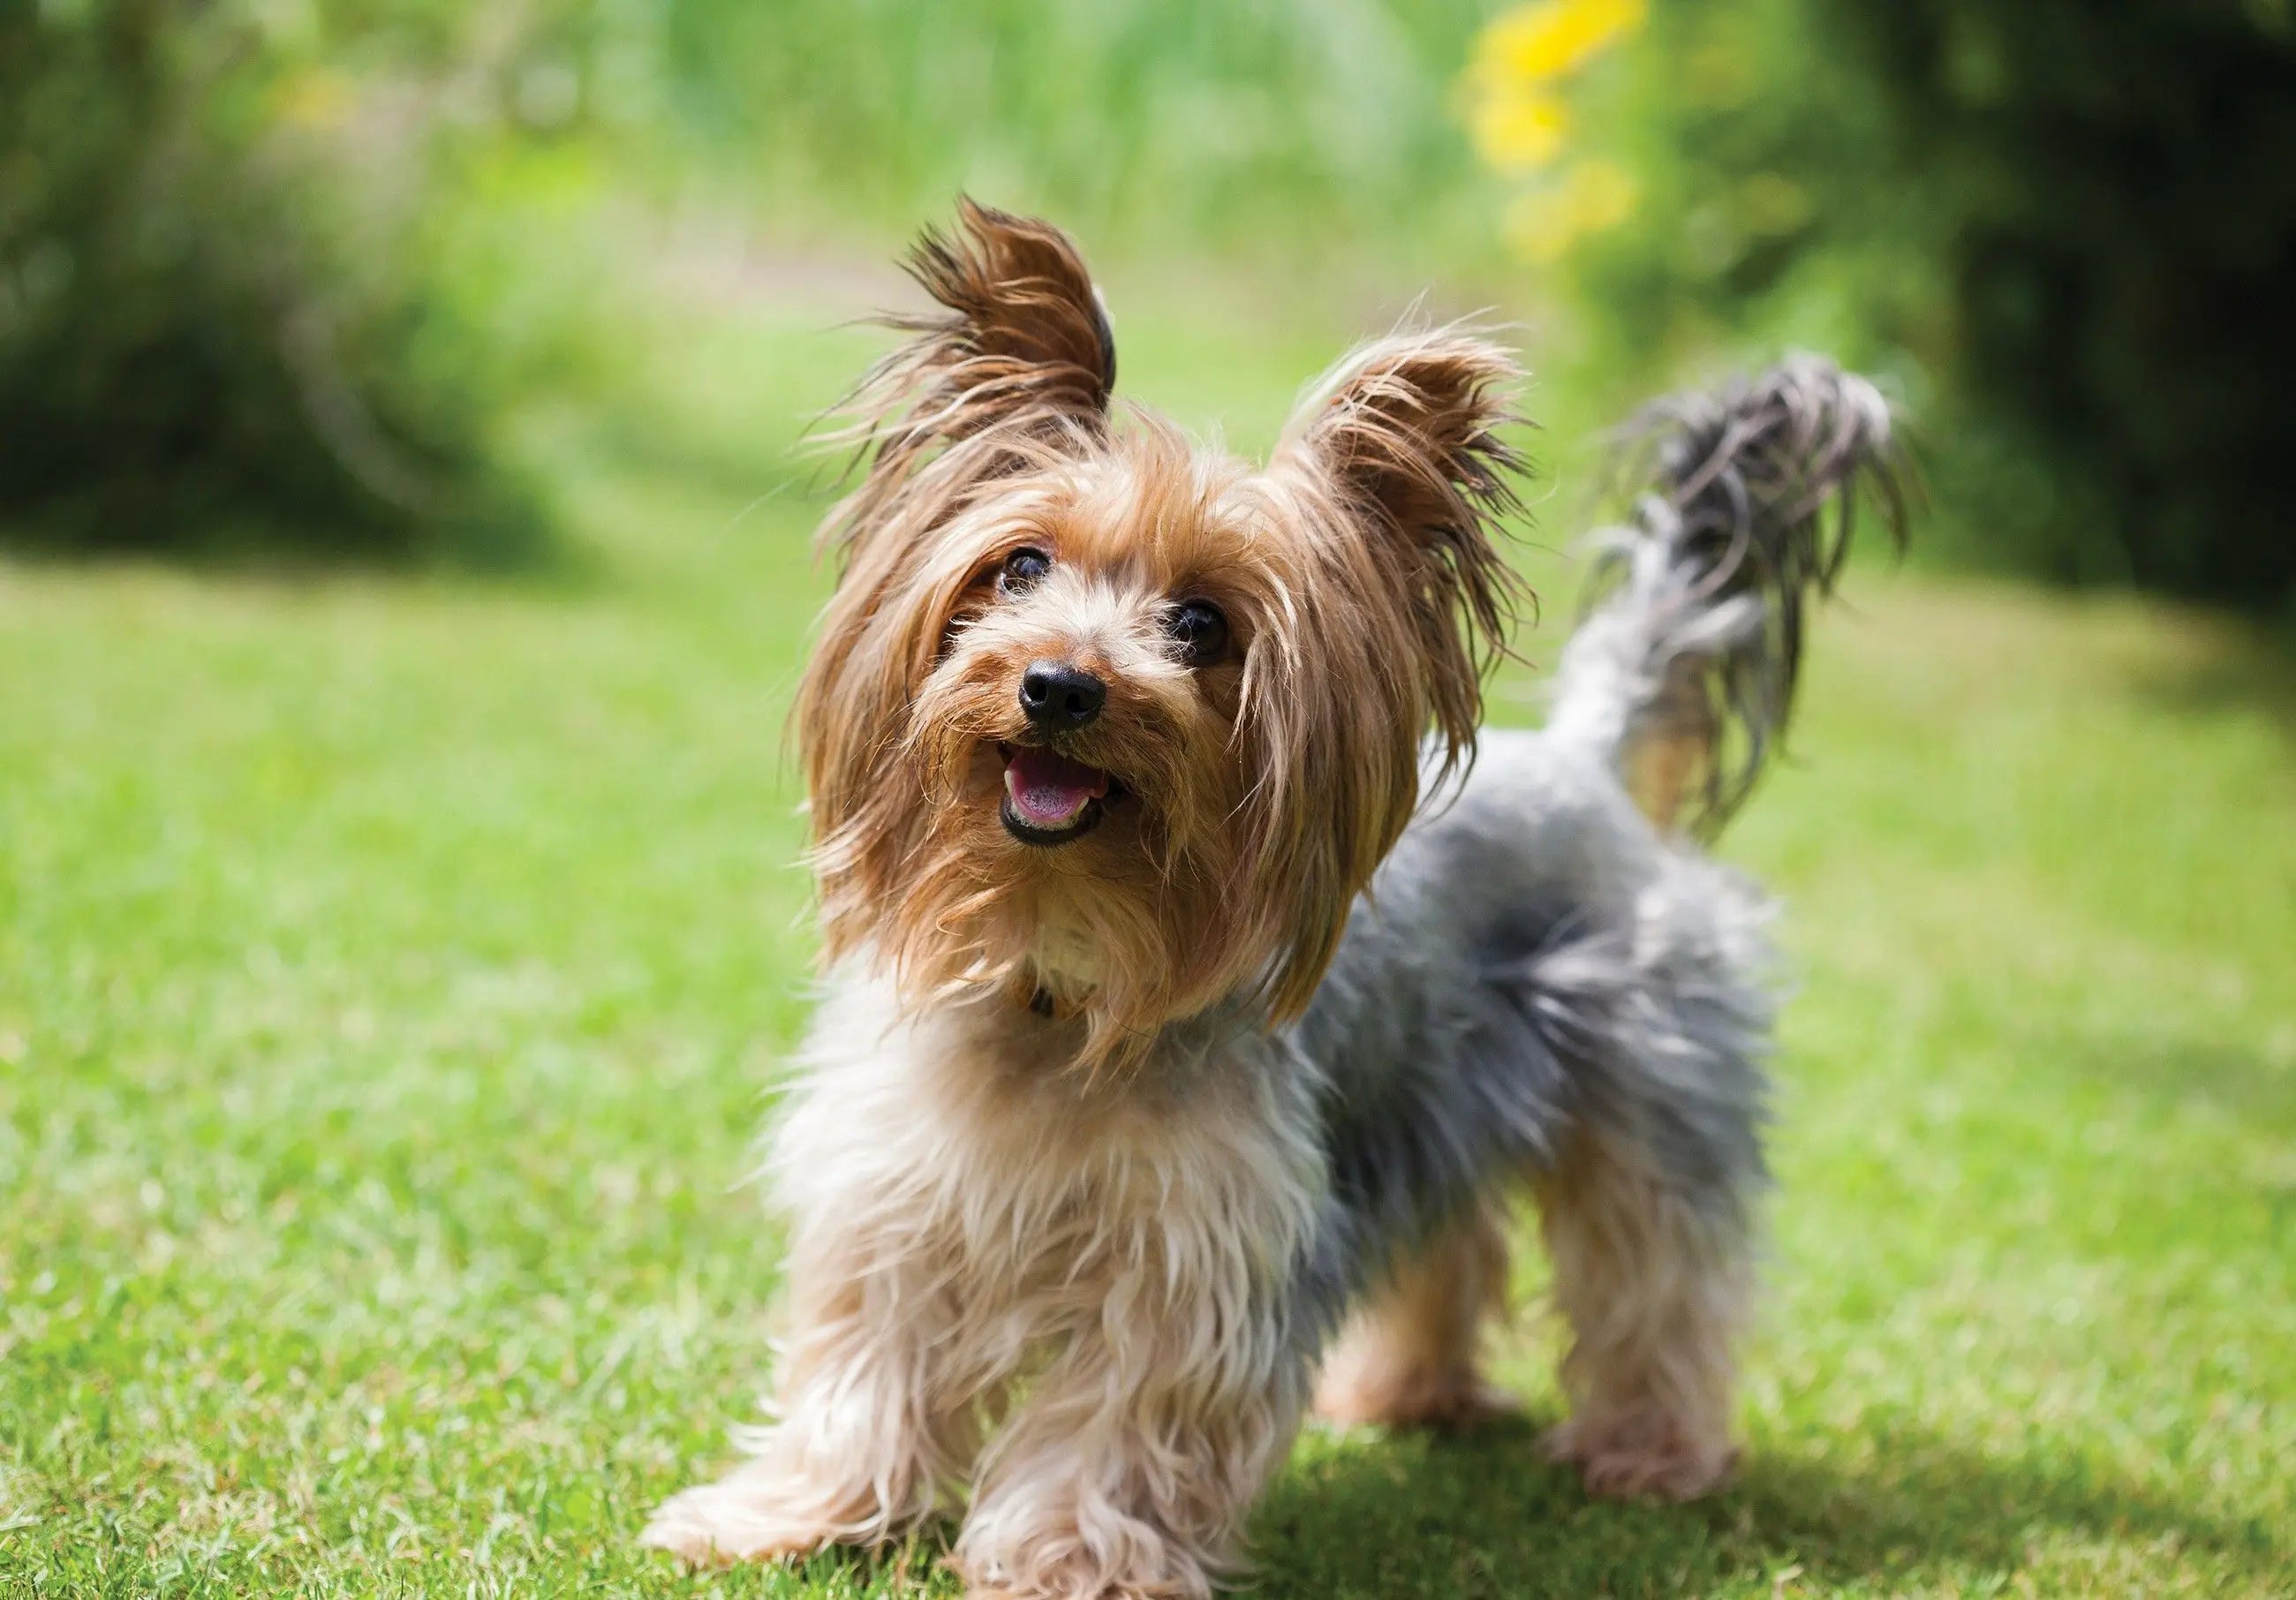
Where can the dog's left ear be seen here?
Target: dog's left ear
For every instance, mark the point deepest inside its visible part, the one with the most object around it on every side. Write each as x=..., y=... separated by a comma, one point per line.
x=1406, y=431
x=1387, y=497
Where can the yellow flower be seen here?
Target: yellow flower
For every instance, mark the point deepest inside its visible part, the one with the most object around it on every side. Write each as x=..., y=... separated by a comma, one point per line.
x=1595, y=196
x=1519, y=130
x=1521, y=122
x=1546, y=41
x=1516, y=109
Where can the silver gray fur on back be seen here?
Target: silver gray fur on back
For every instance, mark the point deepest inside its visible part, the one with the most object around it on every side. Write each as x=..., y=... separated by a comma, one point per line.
x=1534, y=957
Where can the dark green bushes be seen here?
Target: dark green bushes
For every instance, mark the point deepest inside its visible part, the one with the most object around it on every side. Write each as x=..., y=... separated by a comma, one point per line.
x=217, y=331
x=2077, y=221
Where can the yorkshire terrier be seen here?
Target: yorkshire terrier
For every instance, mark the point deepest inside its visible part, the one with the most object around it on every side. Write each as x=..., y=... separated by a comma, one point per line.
x=1201, y=984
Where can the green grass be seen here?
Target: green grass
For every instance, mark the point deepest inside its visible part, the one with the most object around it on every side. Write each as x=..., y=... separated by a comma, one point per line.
x=391, y=974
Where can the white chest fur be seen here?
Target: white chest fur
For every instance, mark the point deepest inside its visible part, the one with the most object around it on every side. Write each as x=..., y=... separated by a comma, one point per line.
x=947, y=1166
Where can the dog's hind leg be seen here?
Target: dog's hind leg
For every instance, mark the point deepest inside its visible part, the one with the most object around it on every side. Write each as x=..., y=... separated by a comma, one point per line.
x=1653, y=1285
x=1411, y=1354
x=1648, y=1199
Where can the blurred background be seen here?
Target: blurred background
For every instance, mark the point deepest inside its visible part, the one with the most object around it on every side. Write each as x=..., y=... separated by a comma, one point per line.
x=285, y=277
x=405, y=564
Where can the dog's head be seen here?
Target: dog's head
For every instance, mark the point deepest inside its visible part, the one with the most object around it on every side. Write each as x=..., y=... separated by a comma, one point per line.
x=1118, y=724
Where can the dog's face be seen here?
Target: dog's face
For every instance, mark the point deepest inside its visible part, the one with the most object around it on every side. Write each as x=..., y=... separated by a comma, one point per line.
x=1118, y=724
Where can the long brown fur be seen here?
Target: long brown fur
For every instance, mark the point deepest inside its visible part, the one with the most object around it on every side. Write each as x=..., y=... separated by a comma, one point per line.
x=1412, y=1355
x=1035, y=1268
x=1368, y=537
x=1655, y=1294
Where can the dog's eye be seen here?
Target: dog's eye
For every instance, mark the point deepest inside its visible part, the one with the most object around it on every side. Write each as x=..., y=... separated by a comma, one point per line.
x=1022, y=569
x=1198, y=628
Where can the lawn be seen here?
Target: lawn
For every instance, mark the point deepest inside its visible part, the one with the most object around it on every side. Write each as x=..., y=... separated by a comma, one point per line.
x=392, y=974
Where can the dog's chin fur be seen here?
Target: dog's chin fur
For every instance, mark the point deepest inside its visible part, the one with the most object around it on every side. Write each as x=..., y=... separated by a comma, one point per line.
x=1107, y=1123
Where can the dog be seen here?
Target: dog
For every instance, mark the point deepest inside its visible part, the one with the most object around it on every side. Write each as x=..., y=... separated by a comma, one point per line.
x=1201, y=978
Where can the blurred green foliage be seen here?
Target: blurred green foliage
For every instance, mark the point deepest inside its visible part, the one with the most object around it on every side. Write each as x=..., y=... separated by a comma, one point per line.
x=2067, y=226
x=1143, y=124
x=274, y=272
x=224, y=326
x=279, y=273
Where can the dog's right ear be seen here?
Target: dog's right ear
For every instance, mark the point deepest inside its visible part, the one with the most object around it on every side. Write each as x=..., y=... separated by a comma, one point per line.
x=1020, y=358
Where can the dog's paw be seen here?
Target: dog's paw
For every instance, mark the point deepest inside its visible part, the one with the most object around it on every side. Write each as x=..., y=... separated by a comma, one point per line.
x=719, y=1524
x=1352, y=1396
x=1085, y=1578
x=1638, y=1455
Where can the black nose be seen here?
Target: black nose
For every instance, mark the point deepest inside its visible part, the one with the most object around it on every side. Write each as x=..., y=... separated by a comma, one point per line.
x=1057, y=697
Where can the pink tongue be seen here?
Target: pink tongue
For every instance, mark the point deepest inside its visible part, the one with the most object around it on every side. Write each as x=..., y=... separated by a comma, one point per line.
x=1047, y=790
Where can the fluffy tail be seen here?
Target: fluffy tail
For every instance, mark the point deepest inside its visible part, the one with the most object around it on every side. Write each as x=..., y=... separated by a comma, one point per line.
x=1682, y=674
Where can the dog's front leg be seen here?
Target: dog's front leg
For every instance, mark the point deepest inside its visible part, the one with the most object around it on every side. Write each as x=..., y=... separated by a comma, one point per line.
x=1132, y=1464
x=866, y=1431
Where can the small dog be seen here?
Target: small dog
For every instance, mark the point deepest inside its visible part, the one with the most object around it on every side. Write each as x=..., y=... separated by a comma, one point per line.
x=1197, y=995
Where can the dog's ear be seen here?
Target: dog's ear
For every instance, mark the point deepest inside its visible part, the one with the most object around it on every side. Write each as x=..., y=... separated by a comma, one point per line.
x=1385, y=504
x=1020, y=357
x=1406, y=433
x=1024, y=330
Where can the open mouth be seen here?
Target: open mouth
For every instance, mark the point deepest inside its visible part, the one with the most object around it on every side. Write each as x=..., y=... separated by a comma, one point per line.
x=1050, y=799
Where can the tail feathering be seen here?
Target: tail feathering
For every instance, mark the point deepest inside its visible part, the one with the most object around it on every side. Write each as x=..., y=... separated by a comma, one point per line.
x=1684, y=670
